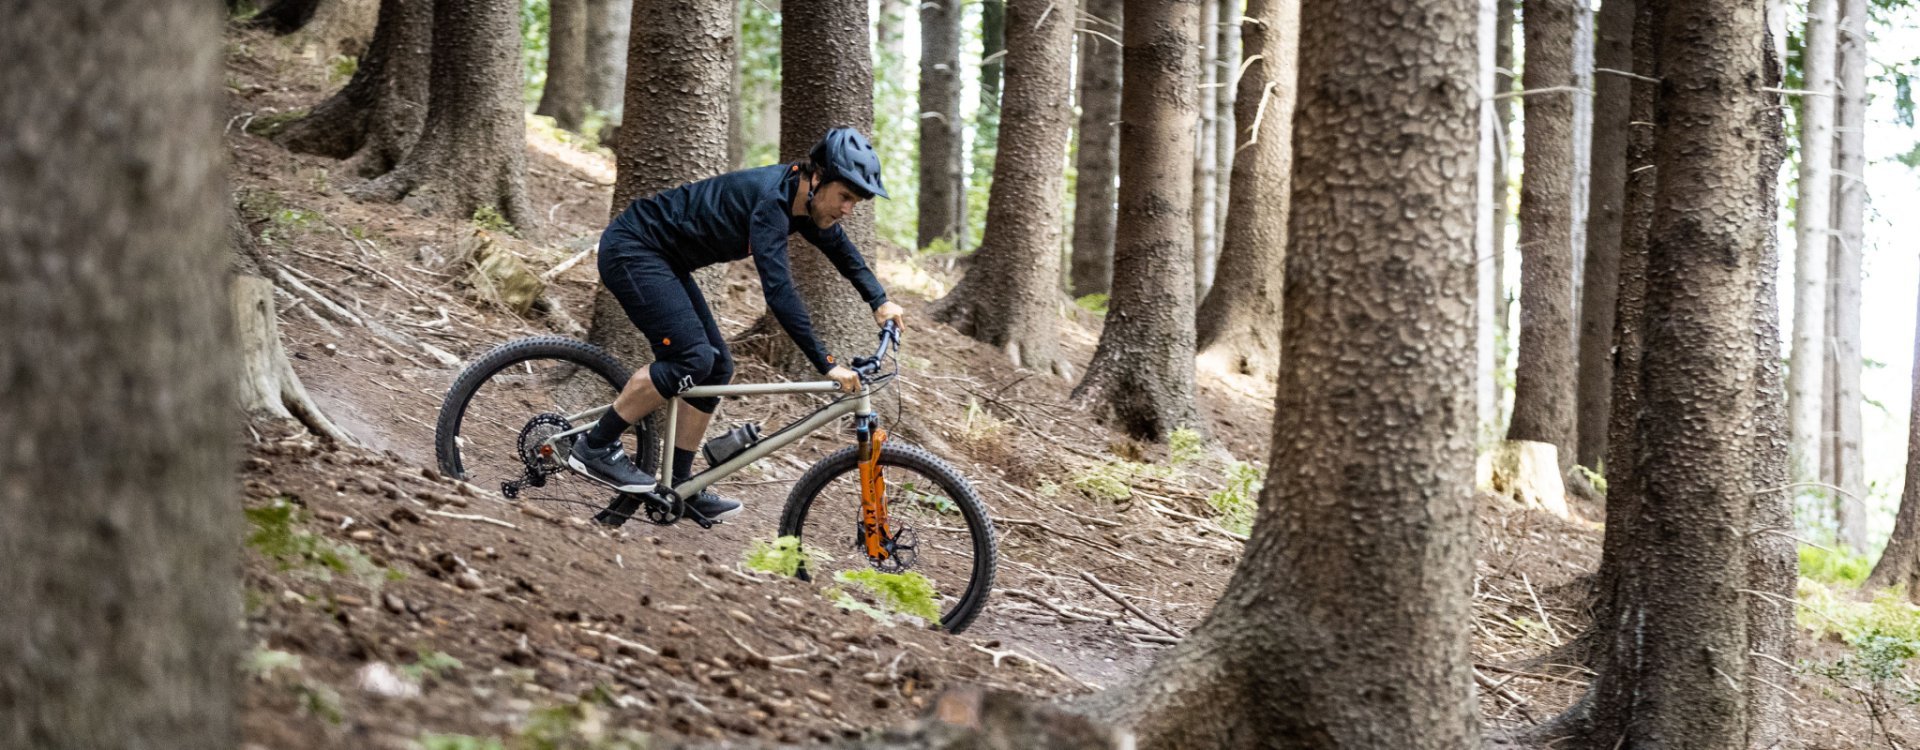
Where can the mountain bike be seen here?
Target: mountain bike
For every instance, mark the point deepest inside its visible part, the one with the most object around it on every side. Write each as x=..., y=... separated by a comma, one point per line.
x=510, y=419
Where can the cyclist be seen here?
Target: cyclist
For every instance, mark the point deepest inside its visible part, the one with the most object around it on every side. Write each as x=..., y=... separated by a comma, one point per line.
x=648, y=255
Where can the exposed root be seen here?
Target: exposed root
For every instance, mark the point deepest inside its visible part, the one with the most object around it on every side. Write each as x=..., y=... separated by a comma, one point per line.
x=268, y=385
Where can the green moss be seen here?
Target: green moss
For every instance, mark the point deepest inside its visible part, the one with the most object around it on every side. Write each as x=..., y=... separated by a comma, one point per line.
x=1833, y=567
x=275, y=533
x=1235, y=504
x=1095, y=303
x=1184, y=446
x=907, y=593
x=782, y=556
x=490, y=219
x=431, y=664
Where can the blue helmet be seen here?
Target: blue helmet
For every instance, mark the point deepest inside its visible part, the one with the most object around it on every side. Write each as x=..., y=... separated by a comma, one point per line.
x=846, y=155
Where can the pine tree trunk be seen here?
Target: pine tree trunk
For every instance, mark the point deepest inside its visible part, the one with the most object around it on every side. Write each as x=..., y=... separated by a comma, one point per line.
x=1900, y=562
x=1227, y=62
x=1505, y=65
x=1543, y=395
x=1606, y=196
x=1010, y=295
x=993, y=43
x=1812, y=216
x=942, y=175
x=1141, y=378
x=1580, y=187
x=1099, y=150
x=377, y=117
x=827, y=81
x=286, y=16
x=608, y=22
x=1239, y=323
x=1847, y=248
x=472, y=152
x=564, y=98
x=338, y=27
x=120, y=536
x=1681, y=549
x=1342, y=626
x=1205, y=255
x=679, y=79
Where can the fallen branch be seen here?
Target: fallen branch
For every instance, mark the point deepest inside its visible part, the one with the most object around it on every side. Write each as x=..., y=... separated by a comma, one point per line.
x=470, y=517
x=1129, y=605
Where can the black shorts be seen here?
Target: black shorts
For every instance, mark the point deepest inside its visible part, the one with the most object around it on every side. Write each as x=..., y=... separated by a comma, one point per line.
x=667, y=307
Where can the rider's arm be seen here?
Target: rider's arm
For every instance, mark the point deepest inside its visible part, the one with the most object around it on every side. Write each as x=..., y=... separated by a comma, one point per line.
x=767, y=237
x=840, y=250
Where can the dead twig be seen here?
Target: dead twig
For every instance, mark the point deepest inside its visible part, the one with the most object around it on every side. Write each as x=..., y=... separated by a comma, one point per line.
x=1129, y=605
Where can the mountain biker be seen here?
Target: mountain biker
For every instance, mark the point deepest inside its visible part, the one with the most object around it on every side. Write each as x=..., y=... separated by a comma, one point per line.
x=647, y=256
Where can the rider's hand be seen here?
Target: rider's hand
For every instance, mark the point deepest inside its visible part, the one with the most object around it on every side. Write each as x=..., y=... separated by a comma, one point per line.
x=888, y=311
x=848, y=380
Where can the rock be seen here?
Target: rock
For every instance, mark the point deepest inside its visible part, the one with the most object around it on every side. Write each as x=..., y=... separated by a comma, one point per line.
x=528, y=510
x=393, y=604
x=348, y=600
x=468, y=580
x=383, y=680
x=876, y=678
x=681, y=629
x=744, y=618
x=429, y=474
x=820, y=697
x=363, y=535
x=404, y=514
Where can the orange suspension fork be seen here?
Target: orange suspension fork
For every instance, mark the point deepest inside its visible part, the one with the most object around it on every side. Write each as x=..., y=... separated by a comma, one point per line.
x=873, y=495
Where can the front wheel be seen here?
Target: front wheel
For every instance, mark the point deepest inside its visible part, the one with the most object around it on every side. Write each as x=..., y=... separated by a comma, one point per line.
x=929, y=505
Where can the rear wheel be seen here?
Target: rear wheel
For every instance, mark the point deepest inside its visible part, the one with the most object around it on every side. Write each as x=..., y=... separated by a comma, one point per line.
x=504, y=404
x=929, y=505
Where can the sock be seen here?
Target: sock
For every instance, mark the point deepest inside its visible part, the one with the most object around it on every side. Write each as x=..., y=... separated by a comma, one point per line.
x=682, y=465
x=607, y=431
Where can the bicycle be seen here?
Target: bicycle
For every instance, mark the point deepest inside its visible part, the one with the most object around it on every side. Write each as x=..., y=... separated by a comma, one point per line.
x=511, y=417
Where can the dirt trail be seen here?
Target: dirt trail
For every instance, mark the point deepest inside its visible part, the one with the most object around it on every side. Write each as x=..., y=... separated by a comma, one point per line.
x=387, y=604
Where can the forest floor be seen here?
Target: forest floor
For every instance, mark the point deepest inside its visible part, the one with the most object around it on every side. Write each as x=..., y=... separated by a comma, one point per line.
x=388, y=607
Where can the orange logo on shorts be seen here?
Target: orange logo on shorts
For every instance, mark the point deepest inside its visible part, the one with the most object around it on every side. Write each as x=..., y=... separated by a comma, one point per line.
x=666, y=342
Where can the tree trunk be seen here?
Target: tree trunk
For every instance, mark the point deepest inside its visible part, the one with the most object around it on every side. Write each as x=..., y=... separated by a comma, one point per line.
x=1141, y=376
x=1239, y=323
x=1010, y=295
x=1812, y=215
x=1204, y=166
x=564, y=98
x=1580, y=187
x=827, y=81
x=286, y=16
x=121, y=583
x=339, y=27
x=1606, y=195
x=1504, y=65
x=942, y=175
x=607, y=26
x=472, y=153
x=1342, y=625
x=1543, y=401
x=1847, y=247
x=986, y=132
x=1681, y=549
x=377, y=117
x=1900, y=561
x=679, y=78
x=1227, y=64
x=1099, y=150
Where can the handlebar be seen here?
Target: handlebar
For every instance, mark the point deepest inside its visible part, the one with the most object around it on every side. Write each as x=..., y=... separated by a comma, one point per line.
x=889, y=340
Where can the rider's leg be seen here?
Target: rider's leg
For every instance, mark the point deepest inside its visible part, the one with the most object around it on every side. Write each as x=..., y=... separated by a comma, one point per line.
x=696, y=413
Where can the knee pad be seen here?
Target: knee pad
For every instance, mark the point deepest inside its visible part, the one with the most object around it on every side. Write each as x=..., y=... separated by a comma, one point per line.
x=721, y=373
x=682, y=370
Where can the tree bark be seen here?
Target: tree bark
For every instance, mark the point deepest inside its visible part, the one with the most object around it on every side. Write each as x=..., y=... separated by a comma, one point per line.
x=1342, y=625
x=679, y=79
x=1141, y=378
x=1239, y=323
x=1606, y=195
x=1543, y=395
x=377, y=117
x=1227, y=65
x=1847, y=247
x=827, y=81
x=1682, y=551
x=1094, y=214
x=121, y=575
x=986, y=131
x=564, y=98
x=1813, y=213
x=472, y=152
x=1900, y=562
x=607, y=27
x=942, y=164
x=1505, y=65
x=1205, y=255
x=1010, y=295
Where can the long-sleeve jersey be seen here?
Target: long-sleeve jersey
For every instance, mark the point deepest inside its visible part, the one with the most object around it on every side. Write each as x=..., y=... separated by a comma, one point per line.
x=734, y=215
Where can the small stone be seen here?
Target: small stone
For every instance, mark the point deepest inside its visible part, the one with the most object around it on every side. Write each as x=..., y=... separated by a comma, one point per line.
x=665, y=554
x=391, y=490
x=820, y=697
x=680, y=629
x=468, y=580
x=876, y=678
x=744, y=618
x=258, y=464
x=429, y=474
x=528, y=510
x=404, y=514
x=394, y=604
x=363, y=535
x=348, y=600
x=790, y=602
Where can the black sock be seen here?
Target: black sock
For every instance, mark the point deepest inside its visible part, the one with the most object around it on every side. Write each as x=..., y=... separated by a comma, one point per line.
x=682, y=465
x=607, y=431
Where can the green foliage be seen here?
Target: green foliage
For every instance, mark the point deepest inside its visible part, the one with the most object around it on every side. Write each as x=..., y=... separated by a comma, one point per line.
x=782, y=556
x=533, y=48
x=1598, y=480
x=430, y=664
x=931, y=498
x=1825, y=610
x=575, y=726
x=1107, y=481
x=908, y=593
x=1833, y=567
x=1095, y=303
x=1184, y=446
x=319, y=701
x=340, y=68
x=489, y=218
x=276, y=535
x=262, y=662
x=940, y=247
x=1236, y=503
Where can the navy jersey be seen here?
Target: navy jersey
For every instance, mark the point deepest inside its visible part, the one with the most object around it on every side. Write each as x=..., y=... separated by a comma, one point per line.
x=734, y=215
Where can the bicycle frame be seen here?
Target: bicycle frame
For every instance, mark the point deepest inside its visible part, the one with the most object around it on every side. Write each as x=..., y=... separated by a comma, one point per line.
x=860, y=405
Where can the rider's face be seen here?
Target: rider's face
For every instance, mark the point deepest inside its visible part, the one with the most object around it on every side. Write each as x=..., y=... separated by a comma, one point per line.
x=832, y=203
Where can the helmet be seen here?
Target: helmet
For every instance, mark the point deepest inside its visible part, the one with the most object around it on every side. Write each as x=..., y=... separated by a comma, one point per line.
x=846, y=155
